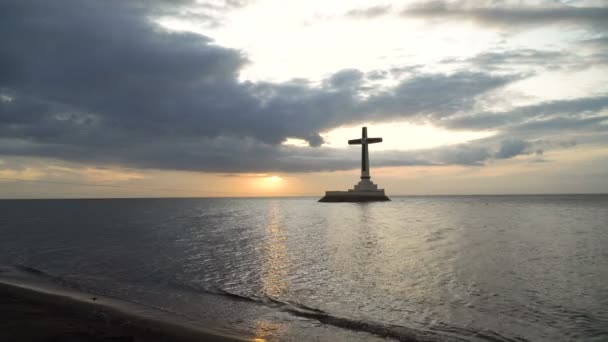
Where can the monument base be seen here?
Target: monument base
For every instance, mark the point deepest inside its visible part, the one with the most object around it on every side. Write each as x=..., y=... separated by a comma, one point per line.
x=354, y=196
x=365, y=191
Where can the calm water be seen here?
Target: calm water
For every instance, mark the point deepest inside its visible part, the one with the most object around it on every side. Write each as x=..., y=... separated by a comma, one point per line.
x=473, y=267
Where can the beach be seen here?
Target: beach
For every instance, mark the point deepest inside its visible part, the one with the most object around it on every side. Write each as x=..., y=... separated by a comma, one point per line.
x=29, y=315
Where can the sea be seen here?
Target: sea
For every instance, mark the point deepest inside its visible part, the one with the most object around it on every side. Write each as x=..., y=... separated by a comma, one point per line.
x=436, y=268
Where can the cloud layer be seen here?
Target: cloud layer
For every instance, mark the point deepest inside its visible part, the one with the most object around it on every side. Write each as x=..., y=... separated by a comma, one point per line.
x=100, y=82
x=511, y=14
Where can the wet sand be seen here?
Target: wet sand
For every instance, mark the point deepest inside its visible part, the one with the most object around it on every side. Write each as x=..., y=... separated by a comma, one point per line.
x=29, y=315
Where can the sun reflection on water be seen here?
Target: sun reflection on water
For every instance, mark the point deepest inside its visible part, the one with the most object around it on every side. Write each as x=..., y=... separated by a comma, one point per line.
x=276, y=261
x=275, y=271
x=265, y=330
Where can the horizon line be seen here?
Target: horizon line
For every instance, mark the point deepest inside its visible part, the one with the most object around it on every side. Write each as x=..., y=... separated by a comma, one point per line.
x=303, y=196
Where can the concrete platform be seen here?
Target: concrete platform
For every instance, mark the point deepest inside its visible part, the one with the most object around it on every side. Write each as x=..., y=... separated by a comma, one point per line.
x=365, y=191
x=354, y=196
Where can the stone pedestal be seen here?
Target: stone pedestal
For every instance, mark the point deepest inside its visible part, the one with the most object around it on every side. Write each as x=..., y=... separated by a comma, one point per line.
x=365, y=185
x=364, y=191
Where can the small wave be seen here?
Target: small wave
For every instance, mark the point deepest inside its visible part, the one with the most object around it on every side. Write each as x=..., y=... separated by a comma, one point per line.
x=396, y=332
x=485, y=335
x=305, y=307
x=190, y=287
x=66, y=282
x=234, y=295
x=31, y=270
x=40, y=275
x=36, y=273
x=401, y=333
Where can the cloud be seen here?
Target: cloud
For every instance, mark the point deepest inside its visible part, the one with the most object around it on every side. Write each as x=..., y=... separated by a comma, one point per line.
x=504, y=14
x=462, y=154
x=598, y=43
x=541, y=112
x=511, y=148
x=236, y=156
x=102, y=75
x=348, y=78
x=202, y=14
x=528, y=59
x=369, y=12
x=434, y=96
x=560, y=115
x=99, y=82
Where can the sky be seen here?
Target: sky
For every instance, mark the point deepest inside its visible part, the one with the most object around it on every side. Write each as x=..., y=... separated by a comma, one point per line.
x=182, y=98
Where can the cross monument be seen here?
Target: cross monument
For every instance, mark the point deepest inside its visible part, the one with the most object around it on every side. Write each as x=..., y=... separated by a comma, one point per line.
x=364, y=142
x=365, y=190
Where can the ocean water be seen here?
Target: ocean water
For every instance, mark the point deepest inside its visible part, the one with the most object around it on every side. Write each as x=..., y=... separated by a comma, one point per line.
x=482, y=268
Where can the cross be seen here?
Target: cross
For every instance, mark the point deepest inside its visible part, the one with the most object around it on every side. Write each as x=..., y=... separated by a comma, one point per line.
x=364, y=141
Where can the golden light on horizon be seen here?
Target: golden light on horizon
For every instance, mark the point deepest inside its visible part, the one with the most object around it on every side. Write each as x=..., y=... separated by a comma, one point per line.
x=268, y=183
x=275, y=178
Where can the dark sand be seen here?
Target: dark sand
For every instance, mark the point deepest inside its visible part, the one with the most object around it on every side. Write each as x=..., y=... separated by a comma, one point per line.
x=28, y=315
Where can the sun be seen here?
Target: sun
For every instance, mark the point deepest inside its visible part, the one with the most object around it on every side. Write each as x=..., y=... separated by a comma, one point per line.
x=268, y=183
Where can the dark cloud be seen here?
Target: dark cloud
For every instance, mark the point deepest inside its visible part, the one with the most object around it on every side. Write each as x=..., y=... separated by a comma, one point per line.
x=599, y=42
x=525, y=58
x=99, y=82
x=348, y=78
x=463, y=154
x=237, y=155
x=530, y=59
x=560, y=115
x=432, y=97
x=596, y=50
x=521, y=56
x=511, y=148
x=369, y=12
x=494, y=13
x=563, y=124
x=205, y=14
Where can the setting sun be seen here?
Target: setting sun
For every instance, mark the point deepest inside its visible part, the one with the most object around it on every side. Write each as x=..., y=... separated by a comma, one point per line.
x=267, y=183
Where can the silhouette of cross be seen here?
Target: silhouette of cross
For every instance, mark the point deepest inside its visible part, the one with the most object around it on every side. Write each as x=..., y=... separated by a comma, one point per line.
x=364, y=141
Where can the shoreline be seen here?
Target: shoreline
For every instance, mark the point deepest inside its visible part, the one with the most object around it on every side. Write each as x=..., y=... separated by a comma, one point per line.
x=29, y=313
